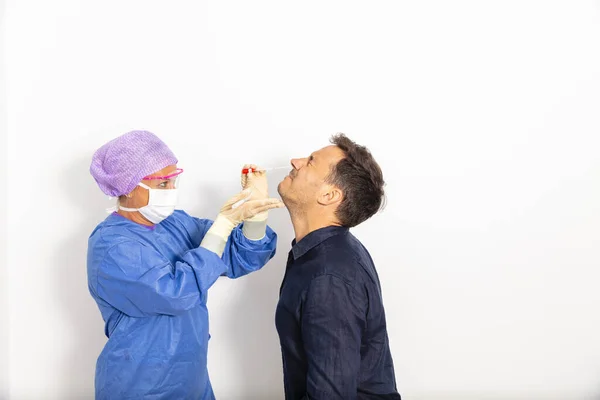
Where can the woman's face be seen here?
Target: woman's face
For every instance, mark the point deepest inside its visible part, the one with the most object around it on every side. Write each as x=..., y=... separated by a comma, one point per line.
x=166, y=178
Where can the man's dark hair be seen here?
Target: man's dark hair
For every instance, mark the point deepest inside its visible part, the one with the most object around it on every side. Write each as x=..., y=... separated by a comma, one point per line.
x=360, y=179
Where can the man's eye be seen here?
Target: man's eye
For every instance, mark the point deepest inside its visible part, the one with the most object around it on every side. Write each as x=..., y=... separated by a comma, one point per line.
x=163, y=185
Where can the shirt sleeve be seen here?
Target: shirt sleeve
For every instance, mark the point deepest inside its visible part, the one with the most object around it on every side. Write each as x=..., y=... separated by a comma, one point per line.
x=139, y=281
x=241, y=255
x=332, y=322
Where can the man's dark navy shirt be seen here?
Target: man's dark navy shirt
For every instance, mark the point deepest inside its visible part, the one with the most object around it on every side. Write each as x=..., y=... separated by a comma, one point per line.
x=331, y=321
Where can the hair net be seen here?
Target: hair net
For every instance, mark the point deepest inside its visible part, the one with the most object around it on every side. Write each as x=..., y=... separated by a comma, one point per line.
x=120, y=164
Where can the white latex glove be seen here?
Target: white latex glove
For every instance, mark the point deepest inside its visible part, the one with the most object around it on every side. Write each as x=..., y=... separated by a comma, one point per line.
x=255, y=228
x=228, y=218
x=257, y=181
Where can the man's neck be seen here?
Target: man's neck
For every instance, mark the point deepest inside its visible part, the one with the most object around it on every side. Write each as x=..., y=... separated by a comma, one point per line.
x=307, y=222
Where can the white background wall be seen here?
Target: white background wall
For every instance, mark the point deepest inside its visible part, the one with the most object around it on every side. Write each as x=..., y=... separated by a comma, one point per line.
x=3, y=215
x=488, y=250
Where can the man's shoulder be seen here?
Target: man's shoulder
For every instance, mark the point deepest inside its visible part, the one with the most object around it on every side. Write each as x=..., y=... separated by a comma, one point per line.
x=345, y=257
x=345, y=248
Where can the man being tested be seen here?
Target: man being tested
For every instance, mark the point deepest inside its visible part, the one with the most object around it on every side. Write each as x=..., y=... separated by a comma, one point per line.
x=330, y=315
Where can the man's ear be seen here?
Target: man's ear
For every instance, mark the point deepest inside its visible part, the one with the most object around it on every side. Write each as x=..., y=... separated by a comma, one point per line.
x=330, y=195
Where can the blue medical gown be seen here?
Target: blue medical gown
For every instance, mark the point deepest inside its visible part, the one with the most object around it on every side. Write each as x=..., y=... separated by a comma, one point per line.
x=151, y=285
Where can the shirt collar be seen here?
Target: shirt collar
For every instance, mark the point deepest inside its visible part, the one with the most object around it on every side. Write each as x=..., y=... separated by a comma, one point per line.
x=315, y=238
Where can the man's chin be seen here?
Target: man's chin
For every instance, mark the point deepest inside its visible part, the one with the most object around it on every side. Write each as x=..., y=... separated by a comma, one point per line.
x=280, y=188
x=282, y=193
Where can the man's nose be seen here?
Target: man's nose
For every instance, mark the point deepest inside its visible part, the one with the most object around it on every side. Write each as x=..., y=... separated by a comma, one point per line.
x=298, y=163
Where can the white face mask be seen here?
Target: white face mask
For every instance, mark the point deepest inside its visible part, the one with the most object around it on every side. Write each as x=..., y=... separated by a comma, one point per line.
x=161, y=204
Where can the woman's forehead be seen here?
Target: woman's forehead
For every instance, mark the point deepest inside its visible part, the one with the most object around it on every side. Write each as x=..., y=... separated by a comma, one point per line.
x=165, y=171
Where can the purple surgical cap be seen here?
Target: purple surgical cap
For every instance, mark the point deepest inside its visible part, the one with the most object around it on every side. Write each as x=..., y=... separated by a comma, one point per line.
x=120, y=164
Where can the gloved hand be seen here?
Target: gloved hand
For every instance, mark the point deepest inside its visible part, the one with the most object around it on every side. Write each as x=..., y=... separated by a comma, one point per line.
x=229, y=217
x=255, y=228
x=248, y=209
x=257, y=181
